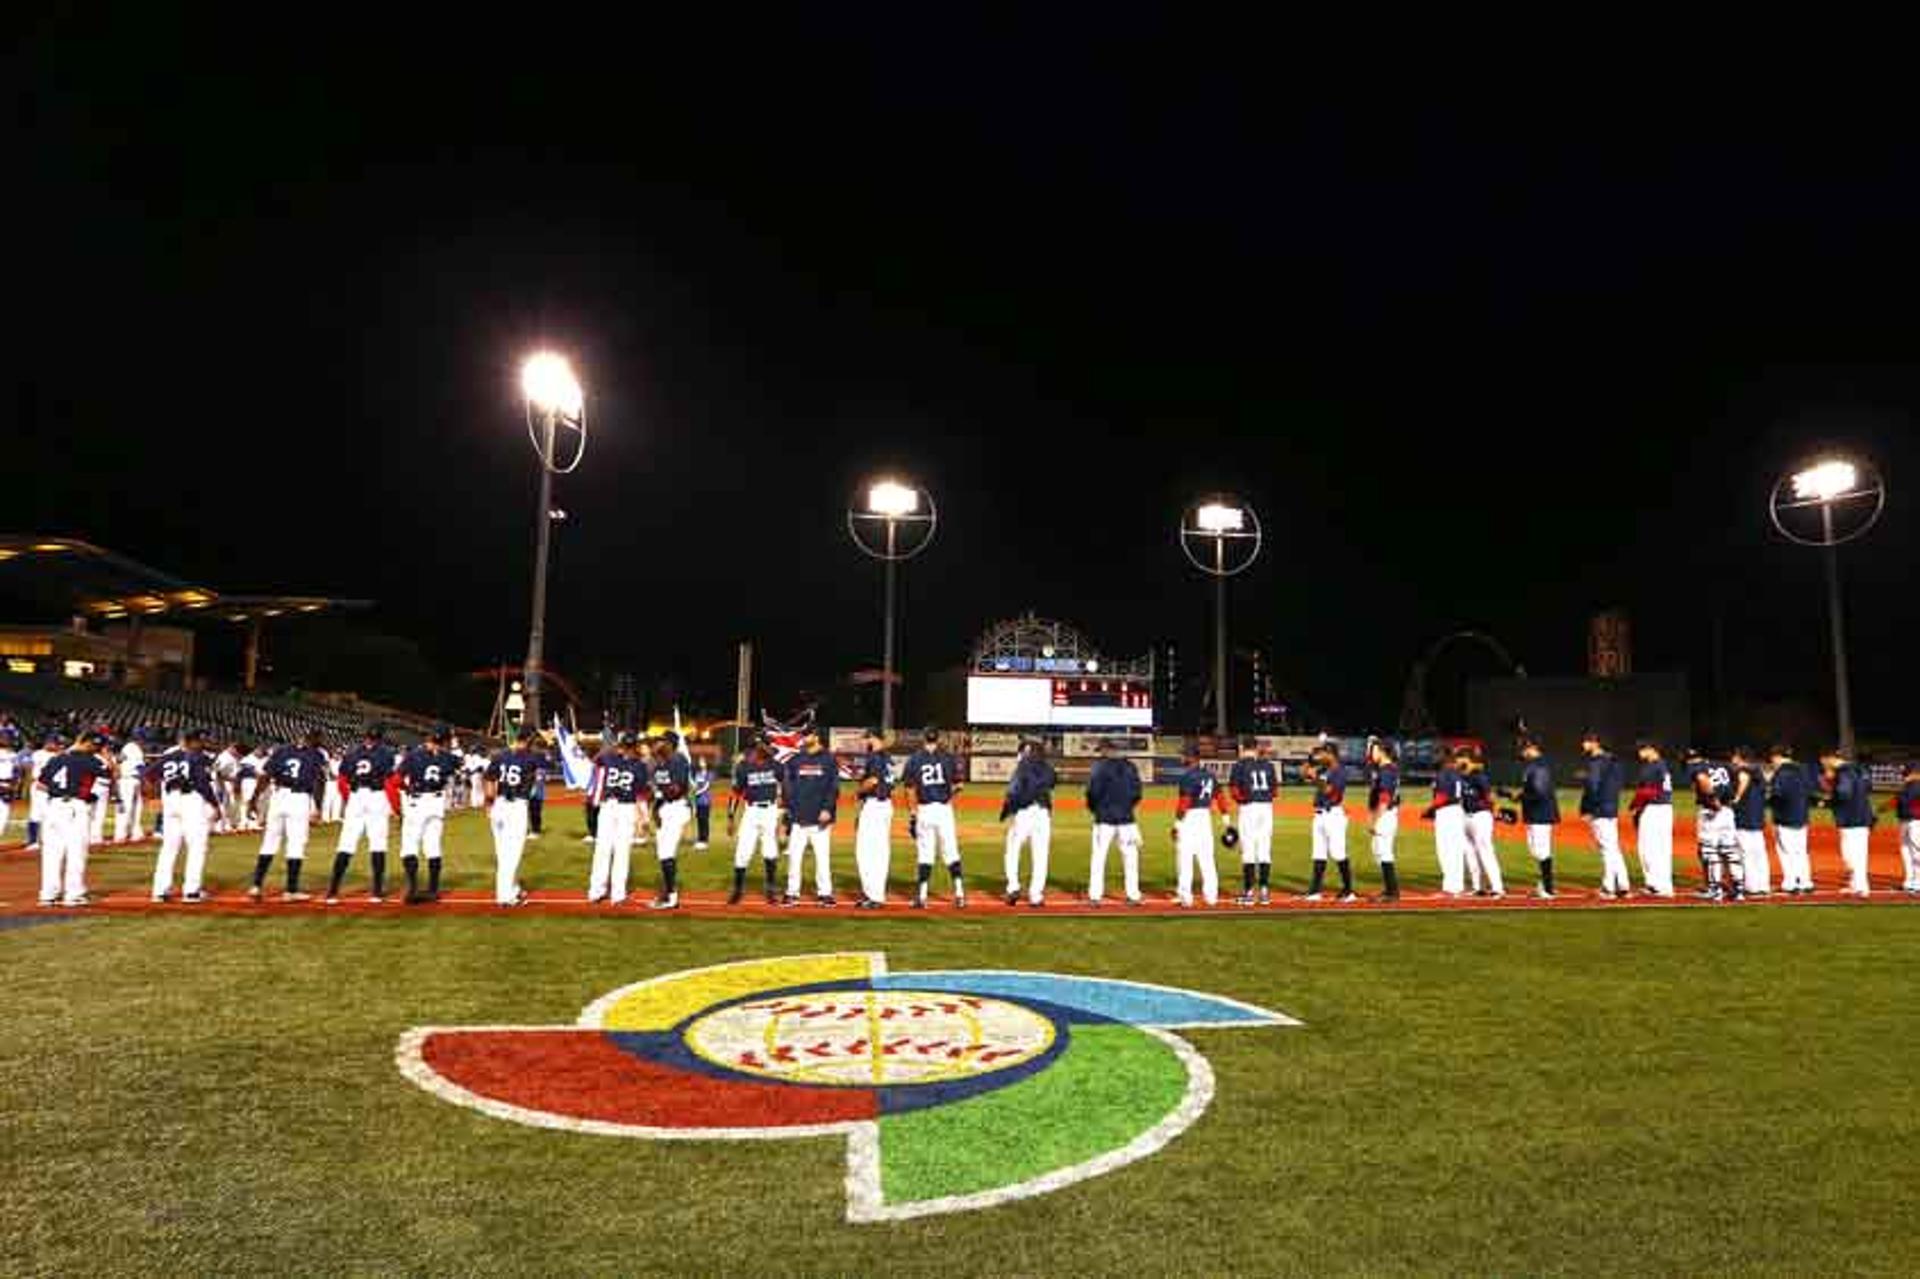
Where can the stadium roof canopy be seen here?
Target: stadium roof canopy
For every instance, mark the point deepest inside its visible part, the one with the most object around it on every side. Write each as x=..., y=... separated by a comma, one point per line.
x=67, y=577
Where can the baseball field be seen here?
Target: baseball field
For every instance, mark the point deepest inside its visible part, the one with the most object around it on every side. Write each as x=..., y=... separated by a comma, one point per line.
x=1568, y=1087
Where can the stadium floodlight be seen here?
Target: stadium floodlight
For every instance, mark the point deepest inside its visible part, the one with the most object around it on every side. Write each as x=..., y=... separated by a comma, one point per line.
x=554, y=401
x=906, y=517
x=1827, y=484
x=1211, y=527
x=892, y=499
x=1217, y=518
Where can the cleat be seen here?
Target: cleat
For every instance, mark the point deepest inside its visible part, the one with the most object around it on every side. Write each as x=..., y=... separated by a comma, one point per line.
x=376, y=899
x=700, y=846
x=161, y=899
x=1388, y=898
x=867, y=903
x=772, y=898
x=733, y=898
x=1483, y=892
x=669, y=902
x=414, y=897
x=789, y=900
x=1245, y=899
x=594, y=899
x=1311, y=897
x=586, y=839
x=1013, y=897
x=1093, y=903
x=519, y=899
x=1136, y=903
x=1038, y=903
x=1347, y=899
x=332, y=900
x=196, y=899
x=75, y=902
x=296, y=897
x=1266, y=898
x=1543, y=893
x=255, y=893
x=48, y=903
x=825, y=901
x=920, y=901
x=1186, y=903
x=960, y=899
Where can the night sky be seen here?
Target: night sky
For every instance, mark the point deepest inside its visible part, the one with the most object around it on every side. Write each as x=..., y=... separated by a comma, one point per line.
x=1491, y=360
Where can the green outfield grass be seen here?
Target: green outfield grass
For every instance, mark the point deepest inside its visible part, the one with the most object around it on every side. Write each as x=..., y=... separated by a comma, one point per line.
x=1699, y=1091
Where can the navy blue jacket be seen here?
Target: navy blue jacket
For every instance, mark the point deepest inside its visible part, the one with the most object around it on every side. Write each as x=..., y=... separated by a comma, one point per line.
x=1790, y=797
x=1113, y=791
x=1600, y=797
x=1750, y=807
x=757, y=783
x=671, y=779
x=932, y=774
x=1539, y=804
x=879, y=766
x=1033, y=782
x=1476, y=791
x=1852, y=797
x=813, y=787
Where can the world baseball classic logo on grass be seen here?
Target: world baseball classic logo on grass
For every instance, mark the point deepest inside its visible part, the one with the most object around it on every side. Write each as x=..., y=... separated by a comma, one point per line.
x=955, y=1090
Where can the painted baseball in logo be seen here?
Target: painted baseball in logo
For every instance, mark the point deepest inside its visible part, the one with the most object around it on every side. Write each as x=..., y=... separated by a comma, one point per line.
x=937, y=1080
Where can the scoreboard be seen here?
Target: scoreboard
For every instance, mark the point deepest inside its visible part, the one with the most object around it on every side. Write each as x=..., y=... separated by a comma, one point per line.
x=1059, y=701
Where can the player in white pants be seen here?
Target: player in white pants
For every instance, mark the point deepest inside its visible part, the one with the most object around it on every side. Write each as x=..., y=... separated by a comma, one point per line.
x=126, y=818
x=753, y=817
x=1750, y=823
x=291, y=774
x=1029, y=803
x=1906, y=811
x=37, y=762
x=1539, y=810
x=251, y=765
x=509, y=779
x=1790, y=799
x=1113, y=793
x=13, y=775
x=1477, y=798
x=1329, y=778
x=1193, y=833
x=189, y=804
x=1251, y=786
x=672, y=783
x=873, y=831
x=933, y=776
x=1653, y=821
x=813, y=796
x=1383, y=814
x=1449, y=828
x=619, y=782
x=102, y=795
x=1849, y=793
x=68, y=781
x=333, y=805
x=425, y=774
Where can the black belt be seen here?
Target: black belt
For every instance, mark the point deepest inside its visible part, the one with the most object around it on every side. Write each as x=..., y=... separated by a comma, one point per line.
x=764, y=803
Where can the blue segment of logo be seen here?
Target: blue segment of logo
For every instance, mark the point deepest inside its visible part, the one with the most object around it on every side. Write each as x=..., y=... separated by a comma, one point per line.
x=1092, y=998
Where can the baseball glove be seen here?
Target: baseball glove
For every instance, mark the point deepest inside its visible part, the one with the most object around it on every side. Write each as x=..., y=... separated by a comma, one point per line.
x=913, y=826
x=1230, y=836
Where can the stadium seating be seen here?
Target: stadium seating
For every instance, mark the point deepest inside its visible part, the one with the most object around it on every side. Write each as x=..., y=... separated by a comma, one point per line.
x=39, y=702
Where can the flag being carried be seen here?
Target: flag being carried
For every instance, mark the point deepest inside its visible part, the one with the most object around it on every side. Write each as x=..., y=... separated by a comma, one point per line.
x=575, y=767
x=784, y=739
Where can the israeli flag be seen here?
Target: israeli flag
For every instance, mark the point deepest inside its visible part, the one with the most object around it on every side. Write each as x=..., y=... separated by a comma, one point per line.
x=574, y=764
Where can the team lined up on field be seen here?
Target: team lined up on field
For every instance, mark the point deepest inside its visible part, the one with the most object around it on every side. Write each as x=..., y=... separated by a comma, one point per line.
x=642, y=787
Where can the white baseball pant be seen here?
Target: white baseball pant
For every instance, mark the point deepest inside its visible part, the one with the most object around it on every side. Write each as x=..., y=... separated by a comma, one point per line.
x=934, y=826
x=126, y=819
x=63, y=851
x=332, y=804
x=1330, y=835
x=1755, y=871
x=37, y=801
x=249, y=787
x=423, y=822
x=1450, y=844
x=1193, y=842
x=1714, y=835
x=1853, y=854
x=1796, y=865
x=1655, y=840
x=508, y=820
x=187, y=819
x=289, y=813
x=1540, y=842
x=759, y=824
x=818, y=838
x=1103, y=837
x=673, y=818
x=612, y=851
x=1613, y=862
x=1910, y=855
x=872, y=847
x=1385, y=827
x=102, y=801
x=1256, y=834
x=1031, y=825
x=1480, y=846
x=367, y=814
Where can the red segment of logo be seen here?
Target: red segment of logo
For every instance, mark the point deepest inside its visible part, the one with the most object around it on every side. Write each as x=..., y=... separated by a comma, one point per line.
x=583, y=1074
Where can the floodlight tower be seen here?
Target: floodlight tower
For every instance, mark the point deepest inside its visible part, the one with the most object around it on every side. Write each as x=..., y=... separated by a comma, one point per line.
x=554, y=403
x=891, y=520
x=1210, y=528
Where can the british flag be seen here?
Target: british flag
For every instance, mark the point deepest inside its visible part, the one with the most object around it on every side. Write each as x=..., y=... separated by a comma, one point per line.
x=784, y=738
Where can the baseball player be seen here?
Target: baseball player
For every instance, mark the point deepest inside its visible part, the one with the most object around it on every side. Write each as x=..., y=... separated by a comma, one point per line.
x=1653, y=820
x=127, y=785
x=933, y=780
x=753, y=819
x=189, y=805
x=621, y=775
x=672, y=781
x=1449, y=827
x=226, y=784
x=364, y=772
x=509, y=780
x=68, y=780
x=1790, y=797
x=1029, y=802
x=13, y=770
x=873, y=833
x=813, y=796
x=424, y=774
x=537, y=797
x=295, y=776
x=51, y=746
x=1251, y=786
x=1329, y=778
x=1476, y=799
x=1715, y=834
x=333, y=802
x=1113, y=795
x=1750, y=823
x=1539, y=812
x=1193, y=830
x=476, y=766
x=1383, y=812
x=1906, y=811
x=1600, y=806
x=252, y=766
x=1848, y=792
x=106, y=753
x=702, y=803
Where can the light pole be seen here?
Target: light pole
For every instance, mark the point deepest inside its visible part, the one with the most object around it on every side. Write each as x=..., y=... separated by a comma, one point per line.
x=896, y=507
x=1206, y=532
x=1824, y=486
x=554, y=404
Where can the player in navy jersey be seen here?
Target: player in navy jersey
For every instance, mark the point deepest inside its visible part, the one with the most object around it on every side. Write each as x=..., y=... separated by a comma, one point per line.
x=1600, y=806
x=190, y=804
x=1449, y=826
x=1539, y=811
x=510, y=779
x=619, y=779
x=1750, y=822
x=1653, y=820
x=1848, y=791
x=672, y=786
x=1029, y=803
x=1252, y=785
x=423, y=778
x=753, y=819
x=296, y=775
x=69, y=780
x=1906, y=811
x=1329, y=778
x=1383, y=813
x=1193, y=829
x=1476, y=801
x=873, y=831
x=813, y=798
x=933, y=781
x=1790, y=799
x=1715, y=835
x=1113, y=796
x=364, y=773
